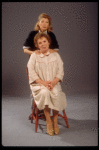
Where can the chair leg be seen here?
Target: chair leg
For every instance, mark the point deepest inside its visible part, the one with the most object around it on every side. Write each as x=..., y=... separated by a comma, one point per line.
x=36, y=122
x=65, y=118
x=31, y=118
x=33, y=112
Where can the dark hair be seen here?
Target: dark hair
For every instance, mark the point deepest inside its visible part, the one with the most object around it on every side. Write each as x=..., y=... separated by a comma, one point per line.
x=40, y=35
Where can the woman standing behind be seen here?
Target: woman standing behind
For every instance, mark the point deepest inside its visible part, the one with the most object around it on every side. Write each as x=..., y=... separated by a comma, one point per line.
x=43, y=25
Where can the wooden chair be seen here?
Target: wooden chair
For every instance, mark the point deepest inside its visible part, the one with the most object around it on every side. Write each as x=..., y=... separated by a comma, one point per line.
x=35, y=117
x=35, y=111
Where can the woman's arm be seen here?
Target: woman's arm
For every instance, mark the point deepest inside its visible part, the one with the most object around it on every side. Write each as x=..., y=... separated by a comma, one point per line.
x=59, y=73
x=28, y=45
x=26, y=51
x=54, y=82
x=55, y=50
x=45, y=83
x=52, y=51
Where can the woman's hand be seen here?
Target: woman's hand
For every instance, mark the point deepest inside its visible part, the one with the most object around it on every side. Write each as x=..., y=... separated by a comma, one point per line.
x=37, y=52
x=47, y=84
x=51, y=51
x=54, y=82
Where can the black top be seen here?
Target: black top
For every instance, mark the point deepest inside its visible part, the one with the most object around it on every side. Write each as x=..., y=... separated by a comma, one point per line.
x=30, y=43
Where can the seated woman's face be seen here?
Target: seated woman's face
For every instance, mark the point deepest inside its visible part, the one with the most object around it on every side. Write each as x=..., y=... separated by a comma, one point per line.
x=43, y=44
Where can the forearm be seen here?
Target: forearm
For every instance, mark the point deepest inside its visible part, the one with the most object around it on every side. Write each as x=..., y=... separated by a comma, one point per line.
x=26, y=51
x=56, y=50
x=55, y=81
x=39, y=81
x=53, y=50
x=45, y=83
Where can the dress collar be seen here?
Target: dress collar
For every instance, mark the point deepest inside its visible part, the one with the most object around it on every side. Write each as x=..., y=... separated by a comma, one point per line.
x=44, y=32
x=42, y=55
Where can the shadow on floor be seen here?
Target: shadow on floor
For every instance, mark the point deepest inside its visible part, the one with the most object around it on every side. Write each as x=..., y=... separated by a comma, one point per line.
x=79, y=133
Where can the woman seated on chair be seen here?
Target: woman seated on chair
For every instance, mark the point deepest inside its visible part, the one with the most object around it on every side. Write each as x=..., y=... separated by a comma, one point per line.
x=45, y=75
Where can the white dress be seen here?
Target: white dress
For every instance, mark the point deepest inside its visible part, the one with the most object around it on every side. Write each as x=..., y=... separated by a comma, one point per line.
x=47, y=67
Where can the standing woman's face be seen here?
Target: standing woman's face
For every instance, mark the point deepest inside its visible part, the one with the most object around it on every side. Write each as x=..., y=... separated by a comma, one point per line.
x=43, y=24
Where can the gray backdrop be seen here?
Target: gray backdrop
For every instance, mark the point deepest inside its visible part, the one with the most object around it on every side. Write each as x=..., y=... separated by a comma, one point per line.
x=75, y=25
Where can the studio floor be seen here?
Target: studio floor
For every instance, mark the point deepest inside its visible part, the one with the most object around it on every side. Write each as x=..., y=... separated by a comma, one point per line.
x=82, y=113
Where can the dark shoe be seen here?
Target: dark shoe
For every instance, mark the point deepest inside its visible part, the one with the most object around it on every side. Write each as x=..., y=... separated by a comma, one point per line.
x=40, y=113
x=29, y=118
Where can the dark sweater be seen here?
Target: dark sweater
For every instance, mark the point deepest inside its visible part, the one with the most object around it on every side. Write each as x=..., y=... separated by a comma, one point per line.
x=30, y=41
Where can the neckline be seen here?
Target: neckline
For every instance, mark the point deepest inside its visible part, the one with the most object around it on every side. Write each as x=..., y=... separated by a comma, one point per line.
x=43, y=55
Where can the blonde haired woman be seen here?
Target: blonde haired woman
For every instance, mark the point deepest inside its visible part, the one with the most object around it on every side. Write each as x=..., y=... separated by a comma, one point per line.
x=43, y=16
x=43, y=25
x=45, y=75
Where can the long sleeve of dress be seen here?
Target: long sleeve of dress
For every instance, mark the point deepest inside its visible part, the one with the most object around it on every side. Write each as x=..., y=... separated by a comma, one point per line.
x=60, y=72
x=31, y=69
